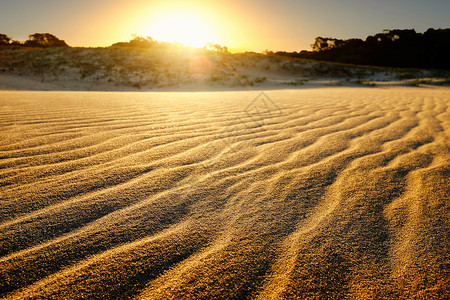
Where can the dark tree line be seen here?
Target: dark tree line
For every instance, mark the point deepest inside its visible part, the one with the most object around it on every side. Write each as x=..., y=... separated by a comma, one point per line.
x=145, y=42
x=138, y=42
x=148, y=42
x=391, y=48
x=39, y=40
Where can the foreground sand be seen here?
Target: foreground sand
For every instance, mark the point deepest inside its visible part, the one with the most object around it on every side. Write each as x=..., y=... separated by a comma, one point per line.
x=319, y=193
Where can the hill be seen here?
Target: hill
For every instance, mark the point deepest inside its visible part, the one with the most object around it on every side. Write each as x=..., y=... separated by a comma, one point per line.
x=128, y=68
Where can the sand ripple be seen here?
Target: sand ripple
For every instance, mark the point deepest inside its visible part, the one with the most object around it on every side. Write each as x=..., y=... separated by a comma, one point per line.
x=320, y=193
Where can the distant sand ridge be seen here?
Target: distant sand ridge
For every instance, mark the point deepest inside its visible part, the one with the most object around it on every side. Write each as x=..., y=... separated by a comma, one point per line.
x=318, y=193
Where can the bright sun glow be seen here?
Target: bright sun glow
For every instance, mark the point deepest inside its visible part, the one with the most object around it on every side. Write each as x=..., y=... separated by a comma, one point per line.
x=182, y=27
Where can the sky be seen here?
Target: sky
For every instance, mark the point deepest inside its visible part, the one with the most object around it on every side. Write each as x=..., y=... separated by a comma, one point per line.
x=241, y=25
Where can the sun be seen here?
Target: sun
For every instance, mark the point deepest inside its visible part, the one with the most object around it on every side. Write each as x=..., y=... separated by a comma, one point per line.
x=186, y=28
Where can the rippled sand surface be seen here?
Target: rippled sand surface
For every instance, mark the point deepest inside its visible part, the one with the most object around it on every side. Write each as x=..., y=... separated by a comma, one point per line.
x=318, y=193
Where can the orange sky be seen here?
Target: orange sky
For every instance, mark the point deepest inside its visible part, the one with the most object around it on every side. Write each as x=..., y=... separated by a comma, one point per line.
x=228, y=22
x=253, y=25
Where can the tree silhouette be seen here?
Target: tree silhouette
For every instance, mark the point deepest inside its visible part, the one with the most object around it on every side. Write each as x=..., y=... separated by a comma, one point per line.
x=138, y=42
x=44, y=40
x=216, y=48
x=390, y=48
x=4, y=40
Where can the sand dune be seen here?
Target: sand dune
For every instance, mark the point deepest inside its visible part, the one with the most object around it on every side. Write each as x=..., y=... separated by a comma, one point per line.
x=311, y=194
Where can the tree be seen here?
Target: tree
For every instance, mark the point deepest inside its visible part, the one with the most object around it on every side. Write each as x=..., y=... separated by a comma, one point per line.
x=321, y=43
x=44, y=40
x=4, y=40
x=216, y=48
x=391, y=48
x=138, y=42
x=15, y=43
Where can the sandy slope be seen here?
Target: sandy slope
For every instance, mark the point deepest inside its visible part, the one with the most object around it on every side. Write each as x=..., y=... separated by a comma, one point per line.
x=183, y=69
x=319, y=193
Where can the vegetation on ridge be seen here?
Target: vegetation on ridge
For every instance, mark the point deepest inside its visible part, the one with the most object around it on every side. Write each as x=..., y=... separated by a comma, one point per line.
x=391, y=48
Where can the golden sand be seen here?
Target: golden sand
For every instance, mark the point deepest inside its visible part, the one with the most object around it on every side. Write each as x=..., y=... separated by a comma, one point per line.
x=311, y=194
